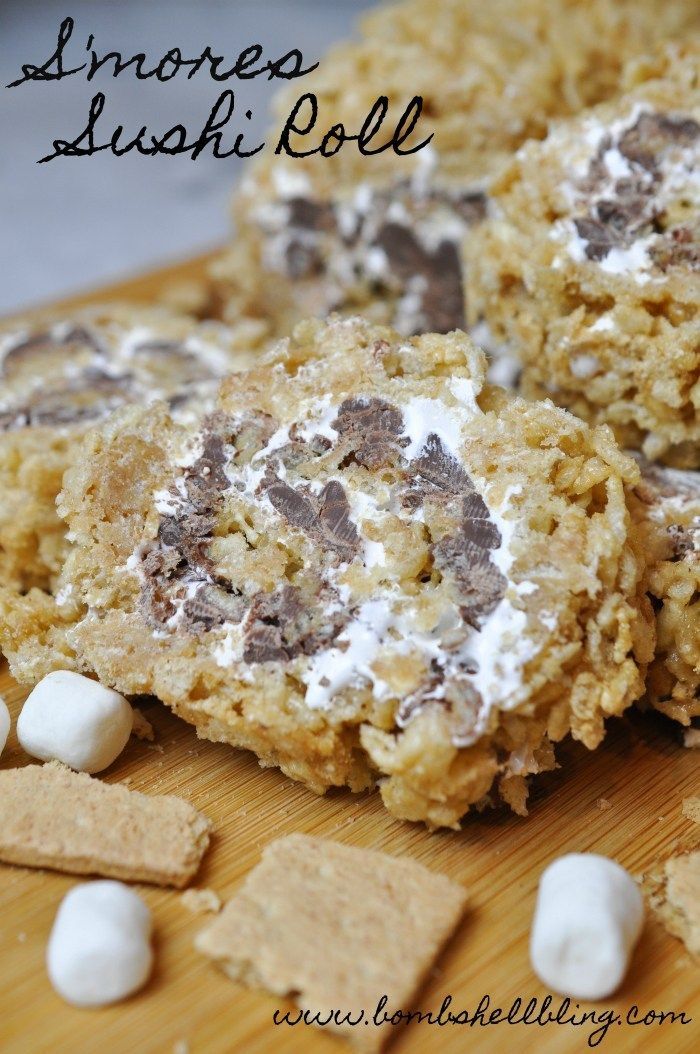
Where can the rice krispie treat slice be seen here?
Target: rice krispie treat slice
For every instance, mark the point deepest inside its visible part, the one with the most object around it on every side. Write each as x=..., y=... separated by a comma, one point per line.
x=367, y=566
x=60, y=376
x=590, y=268
x=667, y=509
x=381, y=234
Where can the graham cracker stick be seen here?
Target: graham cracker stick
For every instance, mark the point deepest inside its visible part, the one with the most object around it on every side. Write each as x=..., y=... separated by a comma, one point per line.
x=68, y=821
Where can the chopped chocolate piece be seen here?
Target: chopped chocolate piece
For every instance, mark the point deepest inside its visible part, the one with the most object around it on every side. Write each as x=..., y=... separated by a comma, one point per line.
x=303, y=260
x=436, y=466
x=457, y=697
x=634, y=211
x=51, y=340
x=404, y=253
x=280, y=627
x=371, y=429
x=294, y=506
x=335, y=518
x=326, y=518
x=359, y=241
x=682, y=541
x=271, y=630
x=443, y=302
x=163, y=347
x=472, y=206
x=652, y=133
x=310, y=215
x=181, y=550
x=480, y=531
x=479, y=582
x=679, y=247
x=212, y=606
x=91, y=395
x=434, y=274
x=601, y=236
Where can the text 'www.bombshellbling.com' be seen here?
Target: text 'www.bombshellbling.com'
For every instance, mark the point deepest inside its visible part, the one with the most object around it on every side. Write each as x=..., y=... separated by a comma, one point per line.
x=596, y=1024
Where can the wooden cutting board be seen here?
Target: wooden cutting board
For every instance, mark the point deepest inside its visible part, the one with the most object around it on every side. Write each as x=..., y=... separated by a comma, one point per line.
x=624, y=800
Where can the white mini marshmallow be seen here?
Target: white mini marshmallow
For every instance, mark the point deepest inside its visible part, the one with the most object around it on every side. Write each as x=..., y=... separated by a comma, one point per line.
x=72, y=719
x=588, y=917
x=4, y=724
x=99, y=950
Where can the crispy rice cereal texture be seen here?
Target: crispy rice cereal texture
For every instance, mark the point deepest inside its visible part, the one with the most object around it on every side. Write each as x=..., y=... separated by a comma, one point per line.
x=590, y=267
x=58, y=377
x=368, y=565
x=666, y=506
x=381, y=235
x=336, y=928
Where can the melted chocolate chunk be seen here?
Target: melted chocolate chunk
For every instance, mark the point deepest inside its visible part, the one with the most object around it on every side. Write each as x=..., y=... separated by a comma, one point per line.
x=371, y=430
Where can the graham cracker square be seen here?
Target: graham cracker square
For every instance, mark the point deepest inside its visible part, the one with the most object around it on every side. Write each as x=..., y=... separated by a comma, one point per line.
x=336, y=928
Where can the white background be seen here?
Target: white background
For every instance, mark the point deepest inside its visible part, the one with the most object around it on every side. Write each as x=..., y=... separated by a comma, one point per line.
x=75, y=223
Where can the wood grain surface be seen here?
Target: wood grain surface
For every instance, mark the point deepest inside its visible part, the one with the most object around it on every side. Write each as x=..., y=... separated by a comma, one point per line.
x=624, y=800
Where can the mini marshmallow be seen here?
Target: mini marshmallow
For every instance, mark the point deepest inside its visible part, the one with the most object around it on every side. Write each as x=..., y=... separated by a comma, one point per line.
x=4, y=724
x=72, y=719
x=99, y=950
x=588, y=917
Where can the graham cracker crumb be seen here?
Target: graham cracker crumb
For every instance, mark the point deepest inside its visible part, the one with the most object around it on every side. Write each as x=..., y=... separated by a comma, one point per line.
x=336, y=928
x=201, y=901
x=691, y=738
x=68, y=821
x=673, y=892
x=603, y=804
x=142, y=728
x=691, y=809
